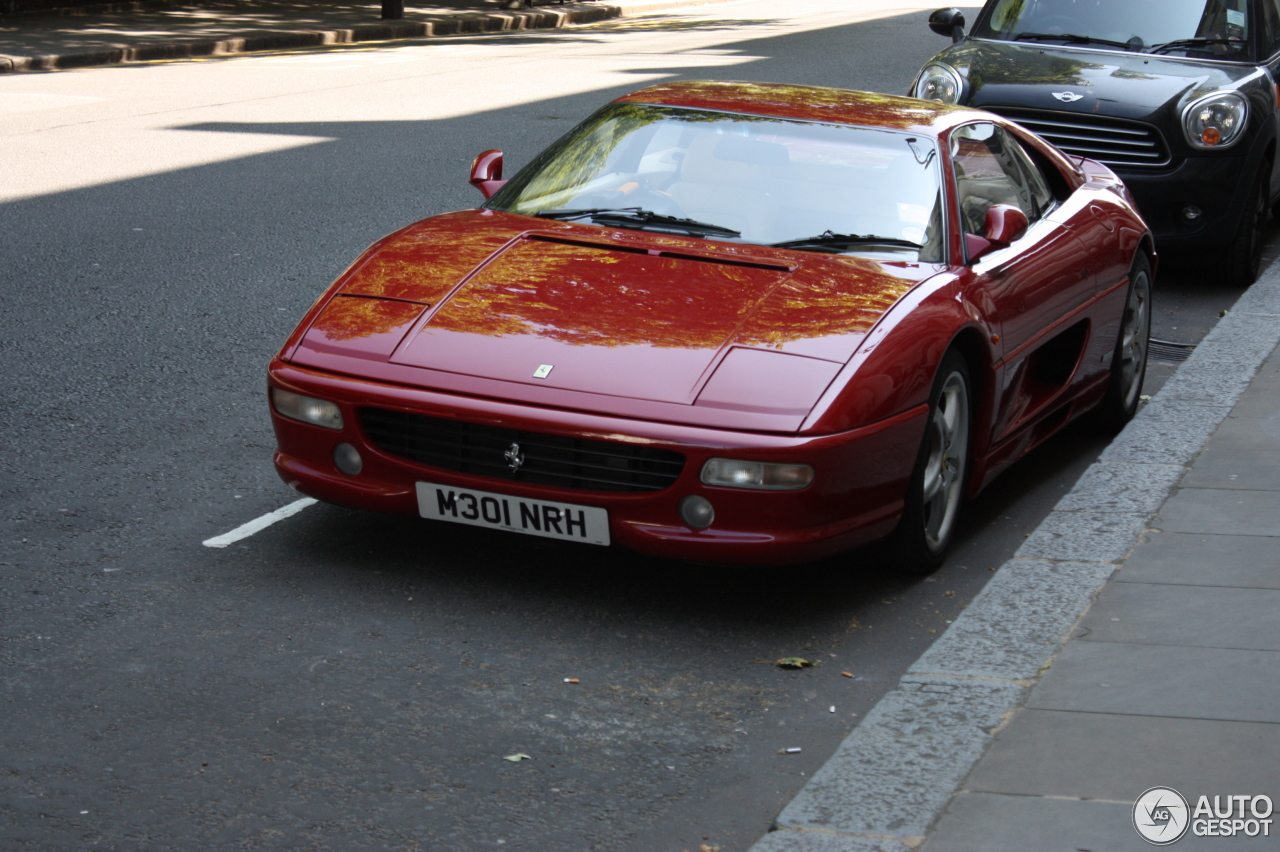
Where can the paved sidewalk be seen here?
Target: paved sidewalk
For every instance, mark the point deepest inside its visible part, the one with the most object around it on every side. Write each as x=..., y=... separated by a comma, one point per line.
x=1027, y=728
x=46, y=42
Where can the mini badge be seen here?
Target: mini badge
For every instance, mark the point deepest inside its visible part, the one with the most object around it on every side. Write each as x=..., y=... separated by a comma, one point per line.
x=543, y=371
x=1067, y=97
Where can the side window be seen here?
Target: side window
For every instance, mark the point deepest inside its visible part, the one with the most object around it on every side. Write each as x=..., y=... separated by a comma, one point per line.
x=988, y=173
x=1041, y=194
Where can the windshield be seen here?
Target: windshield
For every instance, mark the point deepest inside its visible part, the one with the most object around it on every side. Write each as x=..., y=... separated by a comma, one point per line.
x=740, y=178
x=1203, y=28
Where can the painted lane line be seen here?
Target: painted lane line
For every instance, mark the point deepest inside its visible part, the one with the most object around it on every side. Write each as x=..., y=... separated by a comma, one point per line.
x=260, y=524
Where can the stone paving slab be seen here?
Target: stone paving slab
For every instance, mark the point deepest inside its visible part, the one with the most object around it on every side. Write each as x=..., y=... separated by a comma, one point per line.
x=982, y=822
x=1158, y=680
x=1221, y=511
x=1115, y=757
x=1244, y=453
x=1190, y=616
x=1205, y=560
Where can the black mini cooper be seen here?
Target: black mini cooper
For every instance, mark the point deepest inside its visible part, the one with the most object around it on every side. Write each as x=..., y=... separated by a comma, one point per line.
x=1178, y=97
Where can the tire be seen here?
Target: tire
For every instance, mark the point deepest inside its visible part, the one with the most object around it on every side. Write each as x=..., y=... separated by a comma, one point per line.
x=1244, y=255
x=938, y=481
x=1129, y=360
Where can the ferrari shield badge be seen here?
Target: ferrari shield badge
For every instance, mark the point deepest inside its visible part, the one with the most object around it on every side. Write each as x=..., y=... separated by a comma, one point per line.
x=543, y=371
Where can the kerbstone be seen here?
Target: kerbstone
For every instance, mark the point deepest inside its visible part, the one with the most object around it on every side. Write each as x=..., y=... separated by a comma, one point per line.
x=1221, y=511
x=1208, y=382
x=1167, y=431
x=1160, y=680
x=1017, y=622
x=1085, y=536
x=899, y=767
x=1248, y=336
x=1122, y=487
x=813, y=841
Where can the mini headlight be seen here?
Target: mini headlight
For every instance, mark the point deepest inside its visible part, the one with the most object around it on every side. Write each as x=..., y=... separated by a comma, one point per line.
x=764, y=476
x=307, y=409
x=938, y=82
x=1216, y=121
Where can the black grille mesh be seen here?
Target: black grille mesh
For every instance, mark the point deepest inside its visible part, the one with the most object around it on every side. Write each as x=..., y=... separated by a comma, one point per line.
x=1111, y=141
x=582, y=465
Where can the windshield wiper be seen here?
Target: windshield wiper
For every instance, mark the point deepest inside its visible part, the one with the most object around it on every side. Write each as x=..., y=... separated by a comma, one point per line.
x=1073, y=38
x=827, y=239
x=1191, y=42
x=638, y=217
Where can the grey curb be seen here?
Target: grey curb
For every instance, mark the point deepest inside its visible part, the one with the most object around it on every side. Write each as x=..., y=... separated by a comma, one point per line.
x=891, y=778
x=514, y=21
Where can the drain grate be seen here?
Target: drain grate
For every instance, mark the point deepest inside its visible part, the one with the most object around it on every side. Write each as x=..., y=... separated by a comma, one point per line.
x=1168, y=350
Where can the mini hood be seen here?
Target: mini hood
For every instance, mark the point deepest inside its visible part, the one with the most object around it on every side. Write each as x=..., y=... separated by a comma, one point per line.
x=1112, y=82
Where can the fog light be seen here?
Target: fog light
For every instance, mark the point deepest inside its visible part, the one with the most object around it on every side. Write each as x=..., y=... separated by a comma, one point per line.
x=697, y=512
x=347, y=459
x=1191, y=212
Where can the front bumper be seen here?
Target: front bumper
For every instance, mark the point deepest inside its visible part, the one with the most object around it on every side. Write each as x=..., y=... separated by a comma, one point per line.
x=856, y=496
x=1217, y=186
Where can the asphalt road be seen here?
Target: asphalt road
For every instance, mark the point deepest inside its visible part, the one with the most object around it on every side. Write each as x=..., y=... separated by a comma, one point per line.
x=347, y=681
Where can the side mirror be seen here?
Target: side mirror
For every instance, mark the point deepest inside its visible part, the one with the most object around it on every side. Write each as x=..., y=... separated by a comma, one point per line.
x=948, y=22
x=1003, y=224
x=486, y=173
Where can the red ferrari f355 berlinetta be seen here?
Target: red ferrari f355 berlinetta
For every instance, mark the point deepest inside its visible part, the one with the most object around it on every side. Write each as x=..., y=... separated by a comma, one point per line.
x=727, y=322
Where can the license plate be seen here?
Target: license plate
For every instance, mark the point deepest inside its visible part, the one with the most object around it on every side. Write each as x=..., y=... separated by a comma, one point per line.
x=567, y=521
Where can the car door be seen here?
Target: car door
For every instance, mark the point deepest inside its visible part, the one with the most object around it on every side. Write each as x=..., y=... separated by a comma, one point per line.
x=1031, y=283
x=1268, y=25
x=1043, y=273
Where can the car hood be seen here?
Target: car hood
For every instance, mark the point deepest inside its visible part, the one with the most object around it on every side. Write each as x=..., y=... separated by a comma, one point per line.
x=545, y=304
x=1112, y=82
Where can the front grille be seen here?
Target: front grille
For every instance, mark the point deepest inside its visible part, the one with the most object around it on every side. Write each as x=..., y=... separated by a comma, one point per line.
x=1112, y=141
x=561, y=462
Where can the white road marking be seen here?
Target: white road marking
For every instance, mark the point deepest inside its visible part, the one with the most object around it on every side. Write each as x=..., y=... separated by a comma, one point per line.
x=259, y=524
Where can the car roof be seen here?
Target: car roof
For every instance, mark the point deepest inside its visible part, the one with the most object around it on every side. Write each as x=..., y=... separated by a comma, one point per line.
x=809, y=103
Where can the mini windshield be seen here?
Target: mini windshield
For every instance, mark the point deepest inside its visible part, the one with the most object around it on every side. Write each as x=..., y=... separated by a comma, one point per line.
x=1202, y=28
x=741, y=178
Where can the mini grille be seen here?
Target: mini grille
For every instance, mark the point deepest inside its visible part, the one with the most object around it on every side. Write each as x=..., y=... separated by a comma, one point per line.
x=553, y=460
x=1112, y=141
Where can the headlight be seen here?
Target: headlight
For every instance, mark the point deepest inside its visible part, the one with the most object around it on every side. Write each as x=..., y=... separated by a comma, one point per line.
x=1216, y=121
x=297, y=407
x=938, y=82
x=764, y=476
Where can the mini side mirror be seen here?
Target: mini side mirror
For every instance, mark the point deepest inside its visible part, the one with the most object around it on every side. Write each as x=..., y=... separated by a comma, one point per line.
x=948, y=22
x=486, y=173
